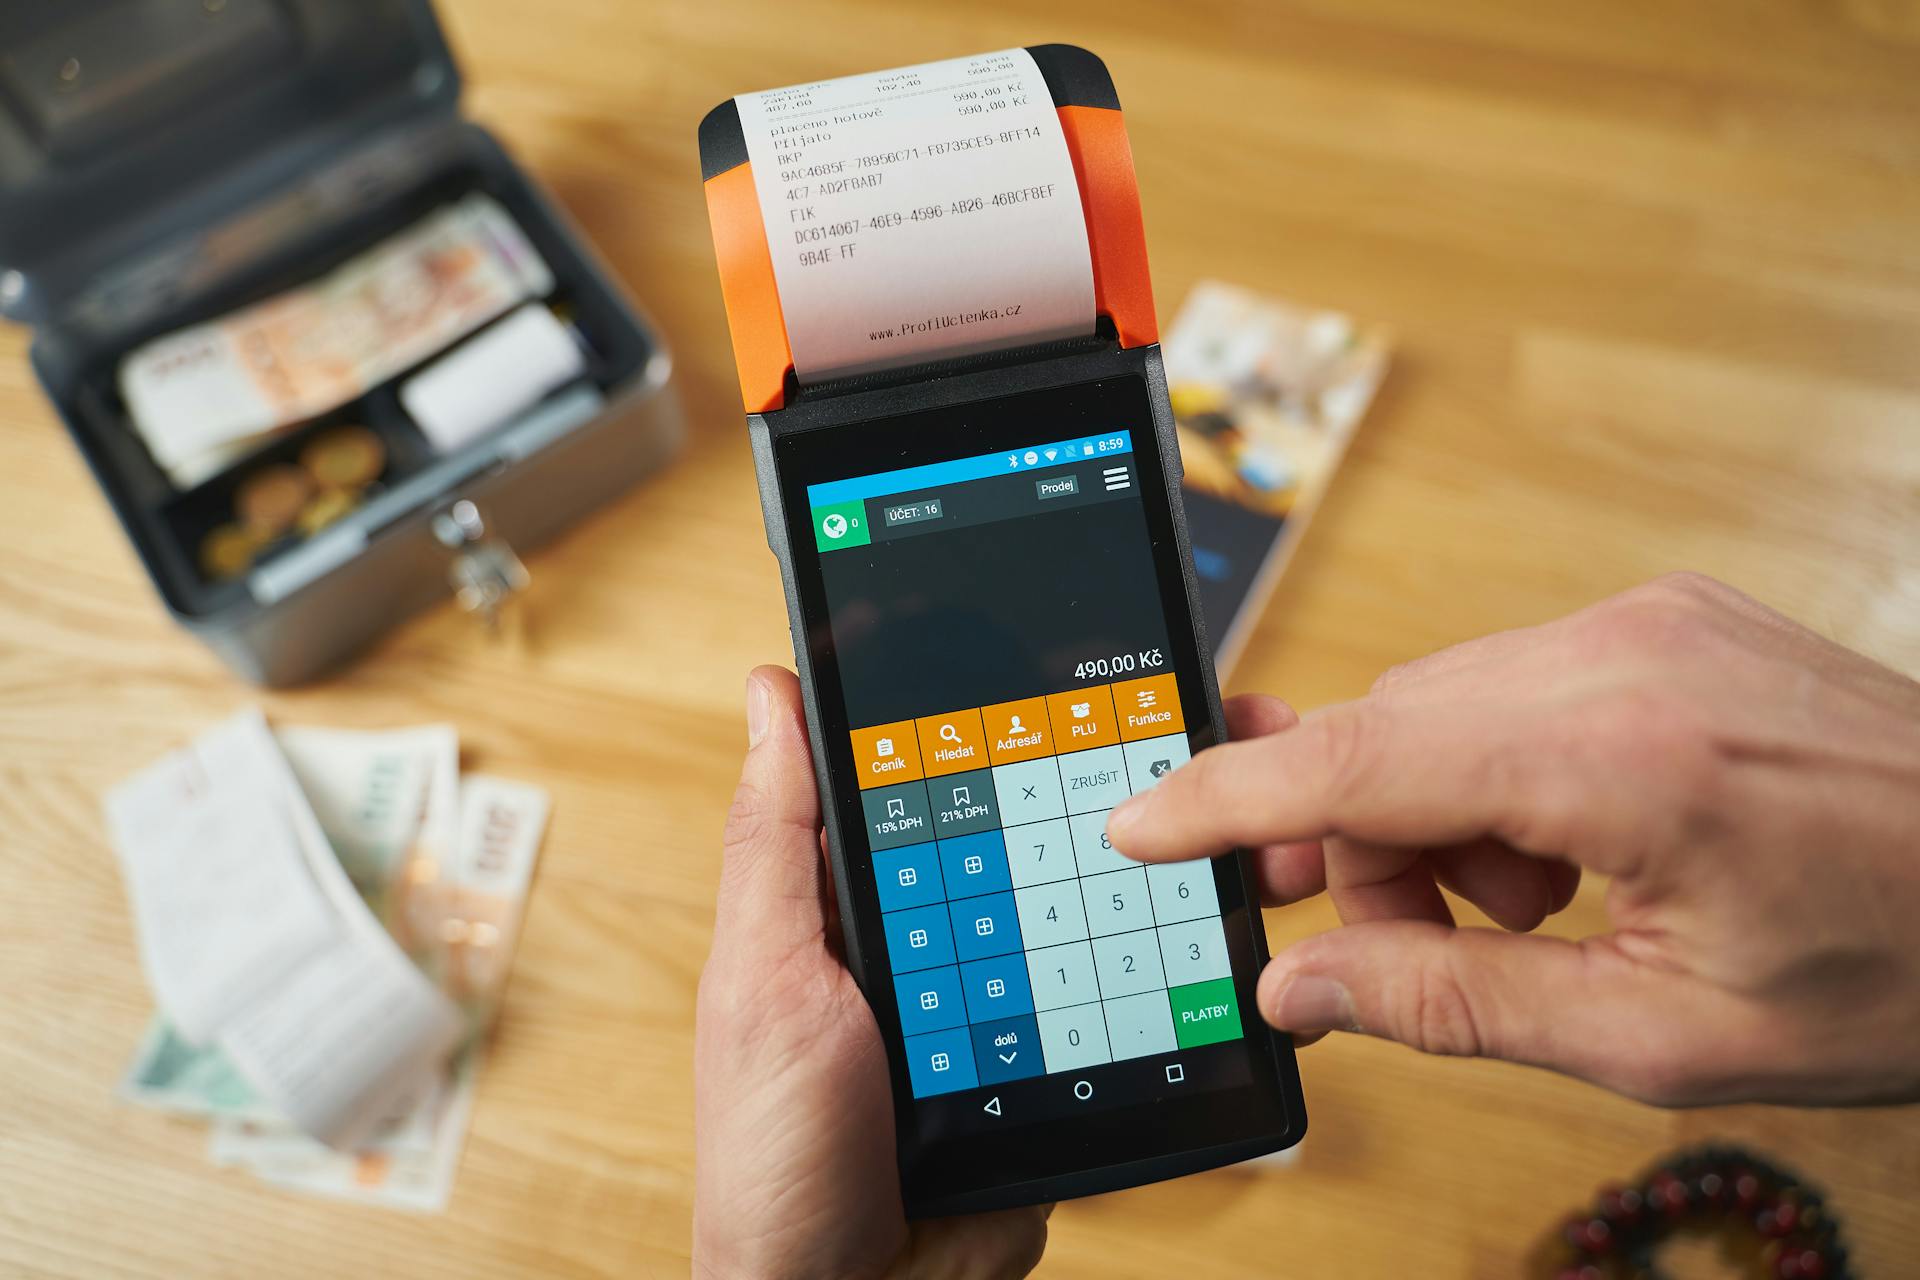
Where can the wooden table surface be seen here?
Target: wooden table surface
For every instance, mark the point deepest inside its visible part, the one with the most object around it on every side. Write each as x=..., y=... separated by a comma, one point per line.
x=1655, y=275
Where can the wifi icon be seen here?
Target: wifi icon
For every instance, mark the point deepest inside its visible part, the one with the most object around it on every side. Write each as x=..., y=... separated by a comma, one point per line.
x=1052, y=454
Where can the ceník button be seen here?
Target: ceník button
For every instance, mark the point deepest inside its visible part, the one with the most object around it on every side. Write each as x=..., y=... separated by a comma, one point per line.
x=886, y=753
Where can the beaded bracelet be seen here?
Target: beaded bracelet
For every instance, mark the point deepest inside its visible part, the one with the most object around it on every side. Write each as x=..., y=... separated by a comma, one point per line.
x=1712, y=1190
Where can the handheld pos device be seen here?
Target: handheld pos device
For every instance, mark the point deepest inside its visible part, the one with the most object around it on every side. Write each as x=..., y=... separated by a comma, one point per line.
x=936, y=281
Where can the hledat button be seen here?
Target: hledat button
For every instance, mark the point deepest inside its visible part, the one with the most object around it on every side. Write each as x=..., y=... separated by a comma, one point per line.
x=952, y=743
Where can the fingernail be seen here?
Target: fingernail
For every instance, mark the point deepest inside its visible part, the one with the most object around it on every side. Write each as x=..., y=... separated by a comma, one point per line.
x=759, y=709
x=1312, y=1003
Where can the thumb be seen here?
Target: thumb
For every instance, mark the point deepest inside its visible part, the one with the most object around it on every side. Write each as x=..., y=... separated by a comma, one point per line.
x=772, y=876
x=1582, y=1008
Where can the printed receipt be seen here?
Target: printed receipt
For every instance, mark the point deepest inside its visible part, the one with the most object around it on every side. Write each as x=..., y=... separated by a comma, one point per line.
x=919, y=214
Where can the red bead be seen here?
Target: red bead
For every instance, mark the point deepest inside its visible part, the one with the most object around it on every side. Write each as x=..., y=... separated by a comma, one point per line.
x=1621, y=1204
x=1797, y=1263
x=1598, y=1236
x=1668, y=1194
x=1746, y=1190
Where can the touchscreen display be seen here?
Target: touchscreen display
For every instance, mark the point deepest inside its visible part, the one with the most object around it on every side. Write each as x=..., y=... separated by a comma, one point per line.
x=1004, y=676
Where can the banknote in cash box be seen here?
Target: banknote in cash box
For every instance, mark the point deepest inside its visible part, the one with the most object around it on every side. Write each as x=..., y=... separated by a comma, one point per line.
x=330, y=352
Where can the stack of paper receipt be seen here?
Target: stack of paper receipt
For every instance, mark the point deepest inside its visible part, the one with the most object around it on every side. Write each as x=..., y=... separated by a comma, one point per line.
x=326, y=918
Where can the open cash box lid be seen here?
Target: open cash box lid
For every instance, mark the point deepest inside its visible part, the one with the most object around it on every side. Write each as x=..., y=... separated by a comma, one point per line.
x=131, y=130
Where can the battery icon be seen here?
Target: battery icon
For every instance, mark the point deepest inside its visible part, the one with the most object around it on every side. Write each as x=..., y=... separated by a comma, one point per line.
x=1086, y=447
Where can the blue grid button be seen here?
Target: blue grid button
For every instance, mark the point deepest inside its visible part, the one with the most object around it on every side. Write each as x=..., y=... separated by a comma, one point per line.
x=909, y=877
x=982, y=927
x=997, y=987
x=919, y=939
x=940, y=1062
x=929, y=1000
x=975, y=864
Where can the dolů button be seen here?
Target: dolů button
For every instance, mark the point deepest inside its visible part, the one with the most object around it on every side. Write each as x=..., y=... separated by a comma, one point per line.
x=1007, y=1048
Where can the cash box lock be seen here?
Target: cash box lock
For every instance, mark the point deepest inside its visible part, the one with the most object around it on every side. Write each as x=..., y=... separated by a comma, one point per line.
x=486, y=573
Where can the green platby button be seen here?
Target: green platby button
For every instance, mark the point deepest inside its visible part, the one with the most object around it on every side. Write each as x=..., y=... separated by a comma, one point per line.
x=1205, y=1013
x=842, y=525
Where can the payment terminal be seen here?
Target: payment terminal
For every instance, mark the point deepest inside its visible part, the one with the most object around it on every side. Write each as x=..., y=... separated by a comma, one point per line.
x=936, y=282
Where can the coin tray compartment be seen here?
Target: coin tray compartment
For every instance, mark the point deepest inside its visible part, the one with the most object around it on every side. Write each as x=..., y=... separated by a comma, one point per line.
x=192, y=515
x=168, y=524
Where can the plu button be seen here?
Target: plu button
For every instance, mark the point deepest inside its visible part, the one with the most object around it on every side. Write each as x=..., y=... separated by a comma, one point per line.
x=1056, y=487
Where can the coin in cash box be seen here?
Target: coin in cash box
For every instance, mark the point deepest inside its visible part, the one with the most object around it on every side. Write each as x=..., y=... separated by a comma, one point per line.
x=228, y=551
x=325, y=507
x=269, y=500
x=345, y=458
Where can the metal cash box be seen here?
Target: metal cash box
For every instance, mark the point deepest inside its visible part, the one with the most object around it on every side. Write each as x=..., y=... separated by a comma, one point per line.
x=165, y=162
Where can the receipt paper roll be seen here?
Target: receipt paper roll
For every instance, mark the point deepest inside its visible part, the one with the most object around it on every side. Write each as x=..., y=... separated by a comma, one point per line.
x=919, y=214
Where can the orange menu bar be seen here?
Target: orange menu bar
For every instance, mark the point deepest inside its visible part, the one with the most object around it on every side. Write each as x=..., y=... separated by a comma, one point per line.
x=1009, y=732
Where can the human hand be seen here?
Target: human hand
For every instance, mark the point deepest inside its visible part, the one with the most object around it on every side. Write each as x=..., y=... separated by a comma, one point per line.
x=795, y=1172
x=1752, y=789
